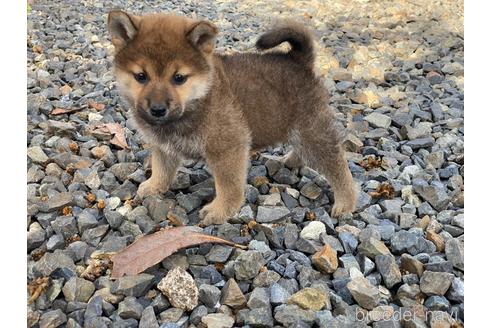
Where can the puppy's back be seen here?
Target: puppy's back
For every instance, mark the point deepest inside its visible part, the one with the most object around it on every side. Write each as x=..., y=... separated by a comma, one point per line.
x=276, y=88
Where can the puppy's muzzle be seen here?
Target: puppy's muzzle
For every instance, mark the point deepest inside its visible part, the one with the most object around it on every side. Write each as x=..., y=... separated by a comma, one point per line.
x=158, y=110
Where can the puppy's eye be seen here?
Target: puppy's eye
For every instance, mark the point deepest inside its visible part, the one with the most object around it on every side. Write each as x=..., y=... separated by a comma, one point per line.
x=141, y=77
x=179, y=79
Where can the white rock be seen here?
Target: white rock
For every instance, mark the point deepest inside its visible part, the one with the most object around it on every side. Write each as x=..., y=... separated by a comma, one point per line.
x=313, y=230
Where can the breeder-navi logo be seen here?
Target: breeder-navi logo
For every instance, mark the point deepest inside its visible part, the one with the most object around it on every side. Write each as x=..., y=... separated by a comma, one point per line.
x=387, y=313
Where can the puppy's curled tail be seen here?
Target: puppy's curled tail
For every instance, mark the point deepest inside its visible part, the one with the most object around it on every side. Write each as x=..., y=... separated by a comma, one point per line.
x=299, y=38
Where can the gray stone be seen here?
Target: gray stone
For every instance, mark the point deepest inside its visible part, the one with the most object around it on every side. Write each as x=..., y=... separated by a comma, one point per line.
x=171, y=315
x=53, y=261
x=92, y=180
x=52, y=319
x=266, y=278
x=421, y=143
x=456, y=291
x=218, y=320
x=437, y=303
x=37, y=155
x=35, y=236
x=455, y=253
x=291, y=234
x=130, y=308
x=86, y=220
x=55, y=242
x=435, y=283
x=219, y=254
x=197, y=314
x=292, y=316
x=57, y=202
x=285, y=176
x=176, y=260
x=365, y=294
x=388, y=269
x=132, y=285
x=278, y=294
x=65, y=226
x=271, y=213
x=311, y=190
x=348, y=241
x=259, y=317
x=123, y=170
x=188, y=201
x=93, y=236
x=258, y=298
x=78, y=289
x=248, y=264
x=323, y=318
x=94, y=308
x=437, y=197
x=378, y=120
x=209, y=295
x=402, y=241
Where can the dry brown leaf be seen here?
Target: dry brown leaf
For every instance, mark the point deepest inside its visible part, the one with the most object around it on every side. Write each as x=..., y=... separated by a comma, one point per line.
x=254, y=155
x=67, y=210
x=97, y=106
x=95, y=269
x=117, y=131
x=251, y=224
x=152, y=249
x=151, y=294
x=61, y=111
x=260, y=180
x=219, y=266
x=74, y=147
x=72, y=239
x=244, y=230
x=119, y=139
x=101, y=204
x=385, y=190
x=372, y=162
x=310, y=216
x=90, y=197
x=36, y=287
x=174, y=220
x=65, y=90
x=37, y=254
x=37, y=49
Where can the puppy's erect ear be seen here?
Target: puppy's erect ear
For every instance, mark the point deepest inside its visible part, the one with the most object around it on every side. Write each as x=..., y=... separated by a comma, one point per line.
x=202, y=35
x=122, y=27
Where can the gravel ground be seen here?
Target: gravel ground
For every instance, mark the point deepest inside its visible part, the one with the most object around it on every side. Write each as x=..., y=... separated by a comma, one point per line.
x=395, y=72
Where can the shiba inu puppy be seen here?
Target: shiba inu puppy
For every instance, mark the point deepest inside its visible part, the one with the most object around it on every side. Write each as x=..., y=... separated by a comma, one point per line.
x=190, y=102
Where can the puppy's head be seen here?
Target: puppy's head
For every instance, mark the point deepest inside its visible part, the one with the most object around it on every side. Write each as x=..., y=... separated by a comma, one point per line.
x=162, y=62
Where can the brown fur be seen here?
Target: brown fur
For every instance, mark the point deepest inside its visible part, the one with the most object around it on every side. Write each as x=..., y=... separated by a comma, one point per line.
x=228, y=106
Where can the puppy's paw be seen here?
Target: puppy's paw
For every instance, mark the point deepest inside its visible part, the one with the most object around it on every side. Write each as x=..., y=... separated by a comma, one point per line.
x=343, y=205
x=213, y=213
x=148, y=188
x=340, y=208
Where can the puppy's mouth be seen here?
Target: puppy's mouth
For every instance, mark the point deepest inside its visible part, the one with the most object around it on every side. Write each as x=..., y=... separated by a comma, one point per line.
x=170, y=117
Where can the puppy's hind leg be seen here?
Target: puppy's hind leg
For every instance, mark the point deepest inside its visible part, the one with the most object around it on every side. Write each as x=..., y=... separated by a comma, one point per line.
x=321, y=148
x=164, y=167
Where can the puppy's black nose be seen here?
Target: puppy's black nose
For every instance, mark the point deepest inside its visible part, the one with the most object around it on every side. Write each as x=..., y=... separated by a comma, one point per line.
x=158, y=111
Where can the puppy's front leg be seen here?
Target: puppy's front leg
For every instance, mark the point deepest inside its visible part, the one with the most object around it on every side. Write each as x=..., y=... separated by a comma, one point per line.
x=229, y=170
x=164, y=167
